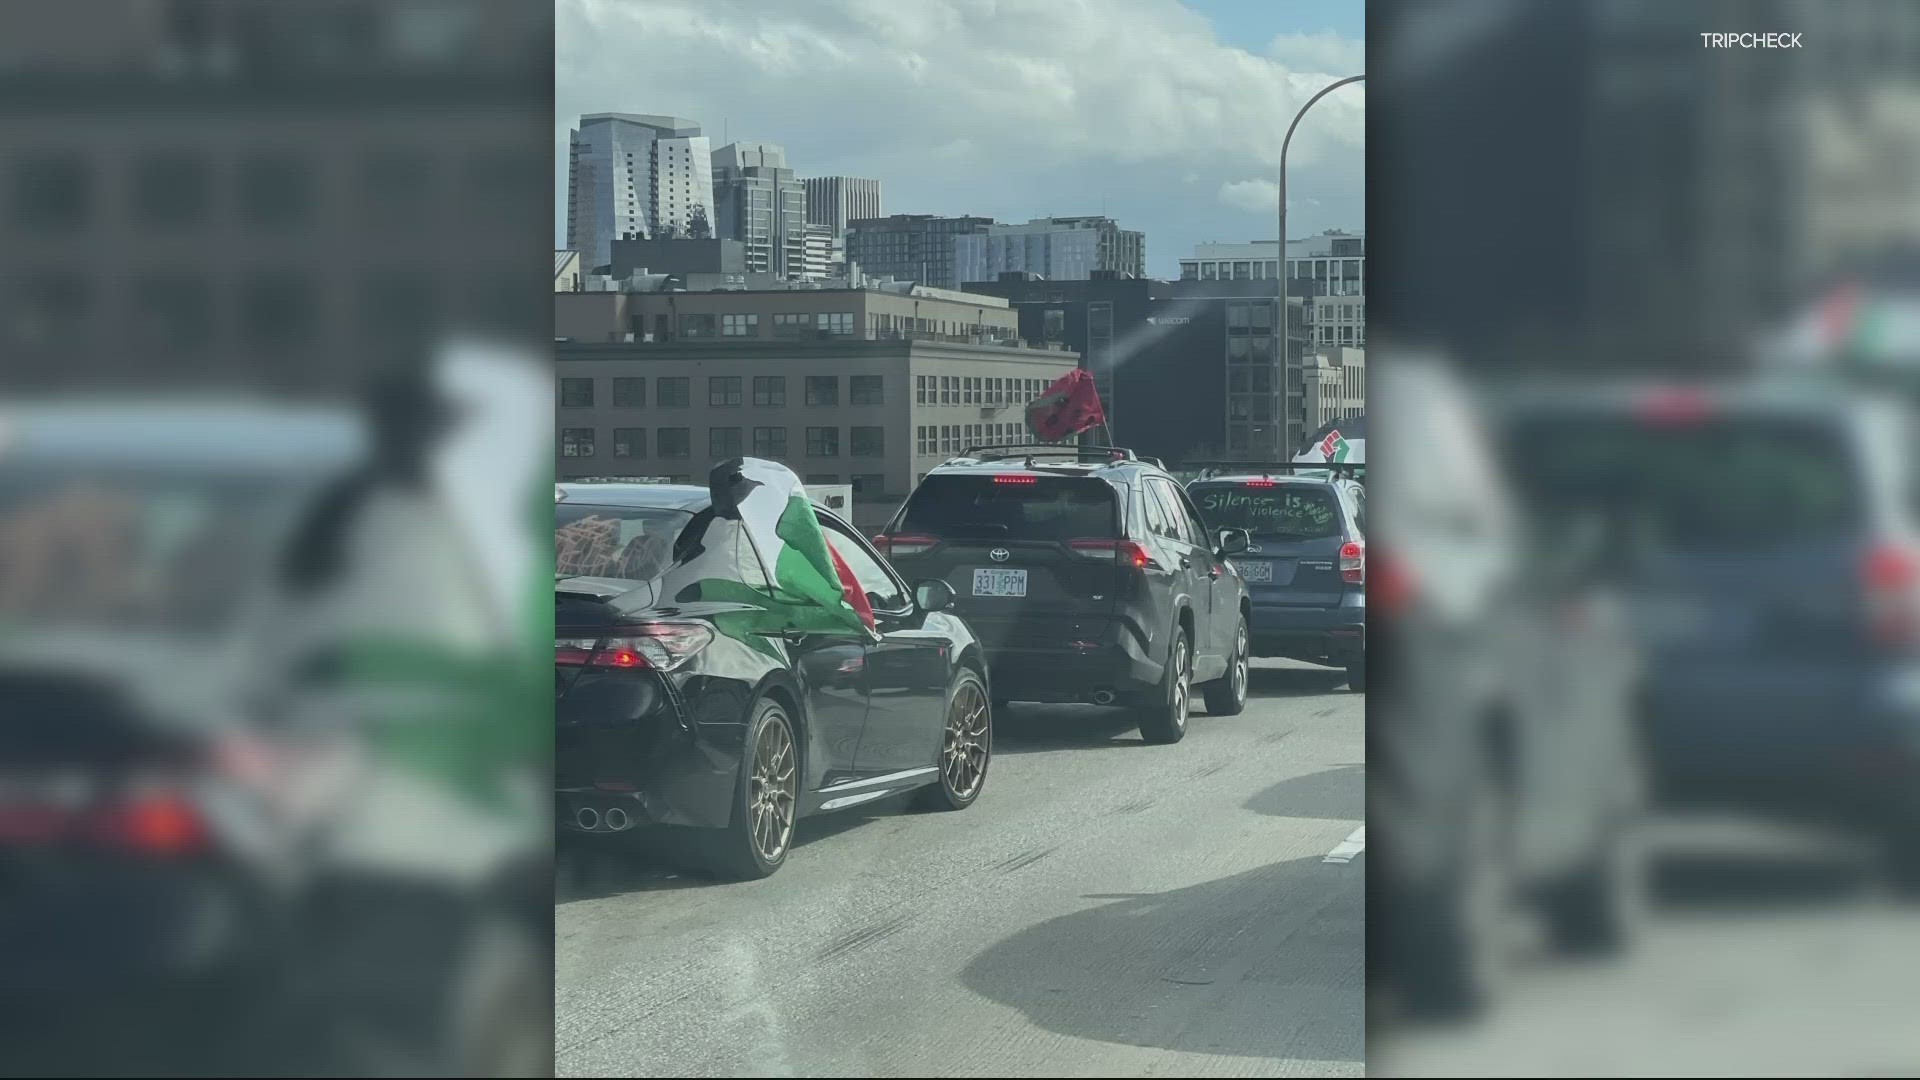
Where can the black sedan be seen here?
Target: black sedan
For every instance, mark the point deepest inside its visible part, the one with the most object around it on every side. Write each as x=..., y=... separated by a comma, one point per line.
x=682, y=700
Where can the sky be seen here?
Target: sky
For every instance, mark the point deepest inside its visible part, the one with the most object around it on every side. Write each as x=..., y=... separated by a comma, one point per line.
x=1166, y=115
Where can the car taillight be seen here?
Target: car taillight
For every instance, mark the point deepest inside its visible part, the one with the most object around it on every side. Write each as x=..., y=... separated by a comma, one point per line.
x=1124, y=552
x=1394, y=587
x=1353, y=563
x=898, y=545
x=1891, y=578
x=164, y=823
x=661, y=646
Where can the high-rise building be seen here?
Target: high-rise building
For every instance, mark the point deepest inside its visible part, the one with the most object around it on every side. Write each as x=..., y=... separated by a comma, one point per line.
x=761, y=204
x=833, y=201
x=635, y=177
x=910, y=247
x=1058, y=249
x=821, y=244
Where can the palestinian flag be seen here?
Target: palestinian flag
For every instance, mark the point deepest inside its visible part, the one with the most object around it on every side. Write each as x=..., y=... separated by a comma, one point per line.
x=814, y=588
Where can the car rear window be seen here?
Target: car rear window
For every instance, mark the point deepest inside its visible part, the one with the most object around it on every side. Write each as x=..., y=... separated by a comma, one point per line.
x=1019, y=507
x=629, y=543
x=1738, y=480
x=1273, y=510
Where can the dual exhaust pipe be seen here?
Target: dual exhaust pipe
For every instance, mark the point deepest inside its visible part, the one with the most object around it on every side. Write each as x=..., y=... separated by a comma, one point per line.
x=591, y=820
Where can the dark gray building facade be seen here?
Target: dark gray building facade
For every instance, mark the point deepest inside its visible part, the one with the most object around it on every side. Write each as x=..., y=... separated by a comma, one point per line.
x=910, y=247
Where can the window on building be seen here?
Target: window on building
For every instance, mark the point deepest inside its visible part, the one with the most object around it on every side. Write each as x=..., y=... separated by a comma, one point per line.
x=723, y=442
x=675, y=392
x=673, y=442
x=723, y=390
x=1346, y=335
x=629, y=442
x=947, y=439
x=629, y=393
x=1189, y=271
x=770, y=442
x=770, y=391
x=699, y=326
x=823, y=442
x=864, y=389
x=949, y=390
x=869, y=485
x=823, y=389
x=1242, y=271
x=1263, y=380
x=971, y=387
x=576, y=393
x=834, y=322
x=869, y=441
x=576, y=442
x=172, y=189
x=793, y=325
x=275, y=190
x=740, y=326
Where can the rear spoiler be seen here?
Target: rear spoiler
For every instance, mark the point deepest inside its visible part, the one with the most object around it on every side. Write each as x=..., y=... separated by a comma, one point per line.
x=1349, y=470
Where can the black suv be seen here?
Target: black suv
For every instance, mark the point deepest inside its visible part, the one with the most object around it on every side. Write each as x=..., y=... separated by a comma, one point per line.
x=1087, y=575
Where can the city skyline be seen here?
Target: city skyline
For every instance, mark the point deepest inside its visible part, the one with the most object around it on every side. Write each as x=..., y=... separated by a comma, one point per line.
x=1156, y=122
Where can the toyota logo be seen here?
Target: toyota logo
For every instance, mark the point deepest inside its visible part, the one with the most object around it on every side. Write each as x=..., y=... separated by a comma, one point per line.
x=999, y=554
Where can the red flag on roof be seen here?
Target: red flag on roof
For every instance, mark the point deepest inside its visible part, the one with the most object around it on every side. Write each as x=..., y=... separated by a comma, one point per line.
x=1067, y=408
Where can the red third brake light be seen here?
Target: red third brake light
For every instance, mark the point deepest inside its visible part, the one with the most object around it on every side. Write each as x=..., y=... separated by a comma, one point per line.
x=1262, y=483
x=1674, y=407
x=1015, y=478
x=1353, y=563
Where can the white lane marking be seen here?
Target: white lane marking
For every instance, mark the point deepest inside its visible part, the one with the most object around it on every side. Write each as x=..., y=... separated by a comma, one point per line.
x=1354, y=844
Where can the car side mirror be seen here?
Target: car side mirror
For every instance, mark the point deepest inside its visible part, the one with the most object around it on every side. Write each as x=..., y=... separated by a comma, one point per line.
x=1234, y=541
x=933, y=594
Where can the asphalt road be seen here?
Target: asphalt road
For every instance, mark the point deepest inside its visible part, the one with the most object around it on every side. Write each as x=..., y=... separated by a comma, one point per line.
x=1107, y=908
x=1765, y=952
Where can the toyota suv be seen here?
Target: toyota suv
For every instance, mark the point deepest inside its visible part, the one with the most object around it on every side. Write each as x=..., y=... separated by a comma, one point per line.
x=1088, y=576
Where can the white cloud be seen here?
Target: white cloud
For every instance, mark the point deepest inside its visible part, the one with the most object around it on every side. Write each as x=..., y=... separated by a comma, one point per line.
x=1326, y=53
x=1050, y=80
x=1251, y=195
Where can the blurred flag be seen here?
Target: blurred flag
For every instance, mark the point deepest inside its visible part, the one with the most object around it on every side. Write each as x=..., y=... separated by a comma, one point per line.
x=1067, y=408
x=773, y=505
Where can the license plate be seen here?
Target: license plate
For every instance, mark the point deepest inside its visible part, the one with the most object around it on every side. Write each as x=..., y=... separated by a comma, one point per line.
x=999, y=583
x=1255, y=571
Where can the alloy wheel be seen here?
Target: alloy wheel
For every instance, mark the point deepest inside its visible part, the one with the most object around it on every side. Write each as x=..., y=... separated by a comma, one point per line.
x=1240, y=665
x=963, y=758
x=1180, y=684
x=770, y=799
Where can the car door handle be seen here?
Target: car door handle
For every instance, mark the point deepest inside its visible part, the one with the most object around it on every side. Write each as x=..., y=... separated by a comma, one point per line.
x=1186, y=562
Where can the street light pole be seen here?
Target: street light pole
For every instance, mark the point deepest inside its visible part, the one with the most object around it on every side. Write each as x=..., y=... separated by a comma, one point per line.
x=1280, y=258
x=1281, y=264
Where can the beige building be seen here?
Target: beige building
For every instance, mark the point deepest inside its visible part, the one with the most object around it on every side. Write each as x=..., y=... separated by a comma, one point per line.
x=1335, y=382
x=845, y=386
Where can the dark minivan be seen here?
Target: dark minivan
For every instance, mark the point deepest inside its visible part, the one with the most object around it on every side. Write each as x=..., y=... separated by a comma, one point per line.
x=1306, y=566
x=1088, y=576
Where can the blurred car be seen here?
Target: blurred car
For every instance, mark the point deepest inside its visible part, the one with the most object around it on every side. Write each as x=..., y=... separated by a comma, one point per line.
x=1089, y=576
x=677, y=704
x=146, y=838
x=1503, y=772
x=1767, y=537
x=1306, y=567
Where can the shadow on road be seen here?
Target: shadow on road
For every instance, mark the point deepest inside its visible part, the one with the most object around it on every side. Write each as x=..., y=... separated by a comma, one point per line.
x=1032, y=728
x=1264, y=964
x=1336, y=794
x=668, y=860
x=1294, y=681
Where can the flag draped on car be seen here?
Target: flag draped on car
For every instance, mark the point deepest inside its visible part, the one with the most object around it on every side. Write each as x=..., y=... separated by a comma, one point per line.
x=813, y=589
x=1067, y=408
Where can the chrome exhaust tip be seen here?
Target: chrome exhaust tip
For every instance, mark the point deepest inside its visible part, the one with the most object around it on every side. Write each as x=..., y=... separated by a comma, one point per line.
x=587, y=818
x=616, y=819
x=1103, y=697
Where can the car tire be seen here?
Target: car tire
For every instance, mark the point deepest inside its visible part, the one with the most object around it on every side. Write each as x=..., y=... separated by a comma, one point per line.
x=1166, y=722
x=1594, y=911
x=757, y=838
x=1227, y=695
x=1357, y=674
x=966, y=746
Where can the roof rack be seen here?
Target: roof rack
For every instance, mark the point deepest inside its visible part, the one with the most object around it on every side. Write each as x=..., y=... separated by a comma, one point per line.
x=1019, y=450
x=1211, y=469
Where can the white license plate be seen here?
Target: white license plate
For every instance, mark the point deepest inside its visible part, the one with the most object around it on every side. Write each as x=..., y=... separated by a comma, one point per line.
x=1255, y=571
x=999, y=583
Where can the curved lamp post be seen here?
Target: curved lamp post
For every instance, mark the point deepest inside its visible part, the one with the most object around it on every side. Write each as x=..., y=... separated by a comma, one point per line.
x=1281, y=264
